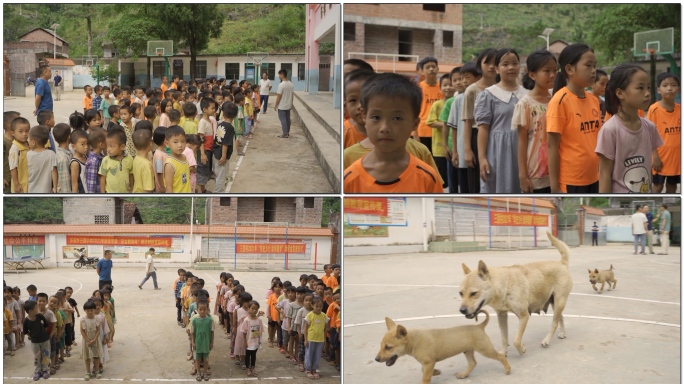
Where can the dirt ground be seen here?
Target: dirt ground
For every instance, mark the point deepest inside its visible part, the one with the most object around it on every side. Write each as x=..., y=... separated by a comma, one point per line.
x=148, y=344
x=270, y=164
x=629, y=335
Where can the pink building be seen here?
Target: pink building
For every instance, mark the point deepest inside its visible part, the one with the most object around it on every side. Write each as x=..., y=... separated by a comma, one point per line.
x=323, y=25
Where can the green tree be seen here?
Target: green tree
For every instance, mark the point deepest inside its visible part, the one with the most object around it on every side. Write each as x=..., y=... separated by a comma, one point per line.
x=23, y=210
x=330, y=205
x=109, y=73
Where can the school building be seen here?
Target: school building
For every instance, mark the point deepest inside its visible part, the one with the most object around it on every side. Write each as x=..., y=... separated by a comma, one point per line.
x=394, y=37
x=323, y=26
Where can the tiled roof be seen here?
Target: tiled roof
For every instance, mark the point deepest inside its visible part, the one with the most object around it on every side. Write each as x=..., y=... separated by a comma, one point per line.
x=593, y=211
x=167, y=229
x=60, y=62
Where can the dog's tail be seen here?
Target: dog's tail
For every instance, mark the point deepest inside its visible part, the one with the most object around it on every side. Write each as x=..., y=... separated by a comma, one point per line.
x=486, y=320
x=562, y=248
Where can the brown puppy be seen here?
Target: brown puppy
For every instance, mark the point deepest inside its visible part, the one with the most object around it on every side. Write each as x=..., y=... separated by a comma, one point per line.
x=602, y=277
x=429, y=346
x=521, y=289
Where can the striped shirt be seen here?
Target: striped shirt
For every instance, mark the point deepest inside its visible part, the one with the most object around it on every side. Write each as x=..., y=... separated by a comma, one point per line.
x=63, y=170
x=92, y=177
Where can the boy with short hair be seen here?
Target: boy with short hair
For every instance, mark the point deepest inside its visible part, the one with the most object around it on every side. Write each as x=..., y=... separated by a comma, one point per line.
x=438, y=127
x=164, y=84
x=38, y=328
x=239, y=122
x=431, y=91
x=143, y=175
x=205, y=131
x=114, y=116
x=42, y=163
x=97, y=141
x=126, y=94
x=666, y=115
x=77, y=166
x=47, y=119
x=149, y=92
x=7, y=139
x=334, y=313
x=150, y=114
x=189, y=124
x=223, y=146
x=128, y=124
x=174, y=118
x=42, y=301
x=97, y=100
x=248, y=110
x=104, y=106
x=115, y=170
x=159, y=158
x=391, y=109
x=138, y=94
x=17, y=154
x=176, y=96
x=61, y=133
x=176, y=167
x=118, y=96
x=88, y=98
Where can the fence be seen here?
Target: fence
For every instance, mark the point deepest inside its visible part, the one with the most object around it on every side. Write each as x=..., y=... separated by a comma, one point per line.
x=18, y=83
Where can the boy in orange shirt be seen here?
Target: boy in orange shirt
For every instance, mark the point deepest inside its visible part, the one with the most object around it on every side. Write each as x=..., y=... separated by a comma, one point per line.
x=390, y=108
x=88, y=98
x=334, y=315
x=666, y=115
x=431, y=93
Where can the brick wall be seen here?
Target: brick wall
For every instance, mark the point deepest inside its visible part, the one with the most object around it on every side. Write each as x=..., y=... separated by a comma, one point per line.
x=250, y=209
x=414, y=12
x=287, y=209
x=219, y=214
x=359, y=40
x=41, y=36
x=381, y=39
x=309, y=216
x=82, y=210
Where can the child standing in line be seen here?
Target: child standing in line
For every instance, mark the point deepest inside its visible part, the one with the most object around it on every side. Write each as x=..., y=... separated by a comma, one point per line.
x=16, y=295
x=15, y=308
x=202, y=332
x=61, y=133
x=252, y=330
x=223, y=146
x=38, y=329
x=166, y=107
x=438, y=153
x=299, y=323
x=241, y=313
x=256, y=102
x=88, y=98
x=431, y=91
x=176, y=167
x=98, y=144
x=77, y=165
x=115, y=170
x=667, y=117
x=248, y=110
x=189, y=123
x=7, y=320
x=191, y=148
x=627, y=143
x=295, y=306
x=177, y=286
x=315, y=327
x=598, y=90
x=90, y=331
x=104, y=331
x=53, y=304
x=143, y=174
x=272, y=312
x=239, y=123
x=283, y=309
x=334, y=313
x=68, y=291
x=573, y=122
x=159, y=158
x=42, y=162
x=205, y=130
x=50, y=316
x=17, y=155
x=68, y=310
x=108, y=311
x=97, y=100
x=452, y=172
x=128, y=124
x=232, y=304
x=104, y=107
x=47, y=119
x=529, y=119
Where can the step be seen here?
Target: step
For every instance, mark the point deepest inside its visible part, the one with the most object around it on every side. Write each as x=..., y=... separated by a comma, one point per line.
x=456, y=247
x=322, y=110
x=208, y=266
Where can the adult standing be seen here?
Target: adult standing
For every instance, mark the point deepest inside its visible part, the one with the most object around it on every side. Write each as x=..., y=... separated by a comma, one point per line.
x=283, y=102
x=639, y=229
x=649, y=232
x=104, y=269
x=58, y=85
x=265, y=84
x=594, y=234
x=42, y=91
x=665, y=225
x=150, y=271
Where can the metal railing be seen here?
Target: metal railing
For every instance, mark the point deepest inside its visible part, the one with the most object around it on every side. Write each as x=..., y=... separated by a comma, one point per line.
x=394, y=57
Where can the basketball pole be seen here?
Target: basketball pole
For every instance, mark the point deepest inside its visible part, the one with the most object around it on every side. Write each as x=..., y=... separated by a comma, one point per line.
x=653, y=76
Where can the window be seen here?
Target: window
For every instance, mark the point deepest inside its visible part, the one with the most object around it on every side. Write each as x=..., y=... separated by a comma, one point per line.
x=288, y=67
x=349, y=31
x=448, y=39
x=434, y=7
x=270, y=69
x=308, y=202
x=201, y=69
x=232, y=71
x=301, y=71
x=101, y=219
x=158, y=69
x=224, y=201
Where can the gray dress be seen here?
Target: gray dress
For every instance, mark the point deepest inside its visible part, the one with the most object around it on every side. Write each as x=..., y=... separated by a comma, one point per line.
x=502, y=146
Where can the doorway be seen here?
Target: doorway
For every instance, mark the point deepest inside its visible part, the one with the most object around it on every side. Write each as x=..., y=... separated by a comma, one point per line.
x=269, y=209
x=405, y=42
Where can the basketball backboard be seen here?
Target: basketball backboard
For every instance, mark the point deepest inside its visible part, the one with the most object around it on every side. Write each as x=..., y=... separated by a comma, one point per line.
x=89, y=61
x=657, y=41
x=160, y=48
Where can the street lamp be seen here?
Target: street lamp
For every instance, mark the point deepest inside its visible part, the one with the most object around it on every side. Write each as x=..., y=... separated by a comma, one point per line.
x=54, y=40
x=546, y=32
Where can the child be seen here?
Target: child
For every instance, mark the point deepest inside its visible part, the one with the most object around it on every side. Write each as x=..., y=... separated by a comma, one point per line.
x=68, y=291
x=283, y=309
x=252, y=330
x=143, y=174
x=176, y=95
x=240, y=313
x=438, y=127
x=92, y=119
x=272, y=312
x=77, y=164
x=47, y=119
x=573, y=122
x=206, y=135
x=108, y=311
x=138, y=94
x=8, y=319
x=97, y=141
x=76, y=121
x=16, y=295
x=118, y=96
x=92, y=347
x=7, y=139
x=67, y=339
x=14, y=307
x=293, y=342
x=334, y=282
x=334, y=313
x=38, y=329
x=249, y=113
x=239, y=122
x=598, y=90
x=299, y=324
x=116, y=169
x=97, y=100
x=529, y=118
x=174, y=118
x=256, y=101
x=391, y=105
x=114, y=117
x=202, y=333
x=63, y=157
x=150, y=114
x=177, y=286
x=487, y=70
x=626, y=141
x=17, y=155
x=452, y=172
x=104, y=330
x=315, y=327
x=166, y=107
x=50, y=316
x=104, y=106
x=53, y=304
x=493, y=113
x=352, y=103
x=666, y=115
x=128, y=123
x=88, y=98
x=189, y=123
x=42, y=163
x=176, y=168
x=431, y=91
x=223, y=146
x=159, y=158
x=165, y=84
x=191, y=147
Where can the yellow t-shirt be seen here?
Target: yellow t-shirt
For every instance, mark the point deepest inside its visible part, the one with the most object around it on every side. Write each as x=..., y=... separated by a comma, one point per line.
x=189, y=126
x=181, y=175
x=249, y=112
x=117, y=174
x=7, y=321
x=316, y=331
x=437, y=140
x=17, y=159
x=143, y=176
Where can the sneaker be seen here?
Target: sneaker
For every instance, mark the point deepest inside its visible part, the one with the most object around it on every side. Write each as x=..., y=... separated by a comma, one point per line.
x=46, y=375
x=139, y=286
x=37, y=376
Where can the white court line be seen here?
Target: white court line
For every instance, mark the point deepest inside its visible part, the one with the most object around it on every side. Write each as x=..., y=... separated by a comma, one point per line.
x=209, y=276
x=546, y=315
x=625, y=298
x=79, y=283
x=403, y=285
x=237, y=167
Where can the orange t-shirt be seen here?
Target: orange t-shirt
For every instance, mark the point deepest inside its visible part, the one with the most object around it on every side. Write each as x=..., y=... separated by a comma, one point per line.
x=418, y=177
x=578, y=120
x=332, y=312
x=668, y=125
x=257, y=97
x=87, y=102
x=351, y=135
x=273, y=307
x=173, y=86
x=331, y=282
x=431, y=93
x=164, y=88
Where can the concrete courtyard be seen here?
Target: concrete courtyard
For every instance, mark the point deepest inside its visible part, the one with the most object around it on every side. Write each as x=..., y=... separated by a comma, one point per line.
x=629, y=335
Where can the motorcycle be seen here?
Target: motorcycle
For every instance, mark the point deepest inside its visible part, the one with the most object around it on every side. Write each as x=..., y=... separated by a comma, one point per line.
x=83, y=261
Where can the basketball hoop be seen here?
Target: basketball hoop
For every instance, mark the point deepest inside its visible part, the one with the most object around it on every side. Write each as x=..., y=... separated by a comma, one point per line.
x=650, y=51
x=159, y=53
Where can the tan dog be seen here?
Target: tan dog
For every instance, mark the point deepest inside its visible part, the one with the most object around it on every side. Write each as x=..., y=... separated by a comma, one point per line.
x=429, y=346
x=521, y=289
x=602, y=277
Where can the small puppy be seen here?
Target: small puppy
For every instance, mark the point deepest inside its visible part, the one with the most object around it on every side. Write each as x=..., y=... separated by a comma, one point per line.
x=429, y=346
x=602, y=277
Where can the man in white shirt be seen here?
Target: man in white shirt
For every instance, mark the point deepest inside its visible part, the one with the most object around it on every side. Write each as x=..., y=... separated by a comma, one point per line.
x=639, y=229
x=283, y=103
x=150, y=271
x=265, y=85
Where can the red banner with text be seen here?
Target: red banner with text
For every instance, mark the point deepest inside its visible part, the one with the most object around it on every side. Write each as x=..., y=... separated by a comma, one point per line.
x=24, y=240
x=270, y=248
x=516, y=219
x=122, y=240
x=366, y=205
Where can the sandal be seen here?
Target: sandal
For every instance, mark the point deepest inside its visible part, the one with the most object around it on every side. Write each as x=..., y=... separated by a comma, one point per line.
x=12, y=352
x=198, y=377
x=293, y=360
x=270, y=343
x=68, y=353
x=53, y=371
x=207, y=374
x=243, y=366
x=310, y=375
x=249, y=372
x=194, y=370
x=283, y=136
x=316, y=375
x=301, y=367
x=87, y=377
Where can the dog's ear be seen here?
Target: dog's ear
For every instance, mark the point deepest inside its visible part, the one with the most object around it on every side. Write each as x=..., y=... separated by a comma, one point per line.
x=390, y=323
x=466, y=270
x=596, y=270
x=401, y=331
x=482, y=270
x=589, y=270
